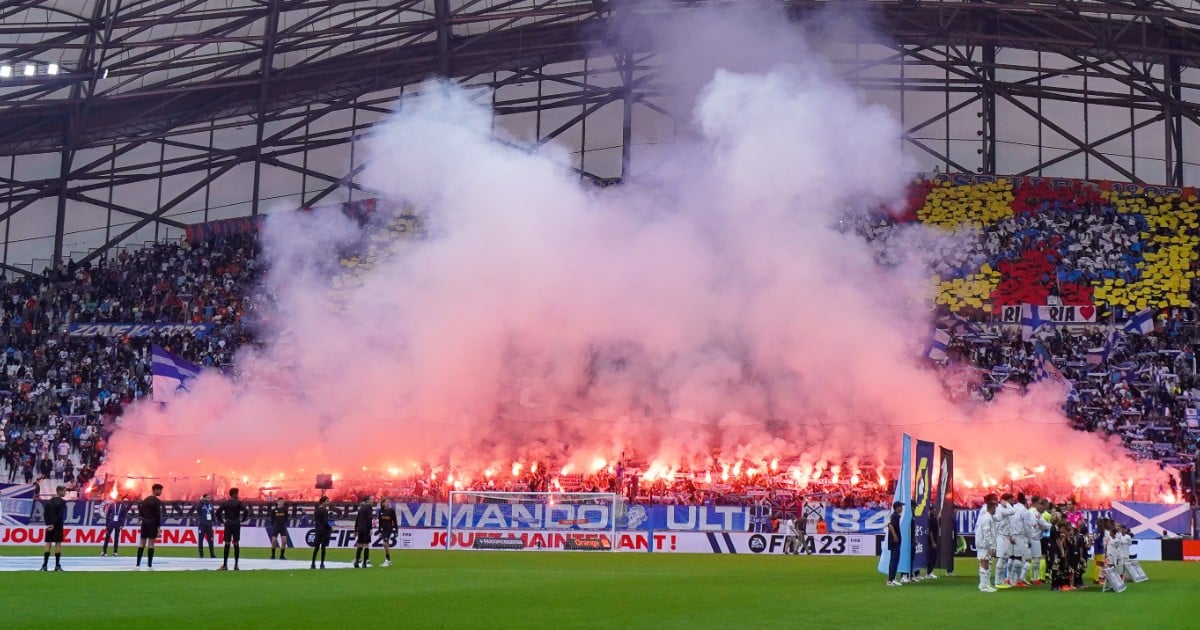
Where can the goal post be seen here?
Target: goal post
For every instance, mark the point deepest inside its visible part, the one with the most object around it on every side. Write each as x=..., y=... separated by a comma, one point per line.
x=525, y=521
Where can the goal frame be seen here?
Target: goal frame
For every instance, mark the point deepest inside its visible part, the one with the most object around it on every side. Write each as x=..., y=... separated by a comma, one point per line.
x=614, y=501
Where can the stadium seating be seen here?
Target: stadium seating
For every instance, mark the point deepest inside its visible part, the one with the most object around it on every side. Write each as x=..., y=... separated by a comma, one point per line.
x=1031, y=243
x=1075, y=243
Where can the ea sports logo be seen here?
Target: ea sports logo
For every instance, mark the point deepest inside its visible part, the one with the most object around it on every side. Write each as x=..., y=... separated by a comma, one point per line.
x=758, y=543
x=310, y=538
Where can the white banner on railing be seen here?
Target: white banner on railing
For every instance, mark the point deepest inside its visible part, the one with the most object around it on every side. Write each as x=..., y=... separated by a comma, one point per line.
x=1052, y=314
x=545, y=540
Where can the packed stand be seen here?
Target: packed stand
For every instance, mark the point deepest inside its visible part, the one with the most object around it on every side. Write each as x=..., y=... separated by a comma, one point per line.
x=1030, y=244
x=62, y=392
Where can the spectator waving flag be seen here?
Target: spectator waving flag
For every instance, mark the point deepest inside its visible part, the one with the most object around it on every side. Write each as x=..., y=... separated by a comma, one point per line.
x=960, y=327
x=935, y=348
x=1141, y=323
x=172, y=374
x=1099, y=356
x=1043, y=368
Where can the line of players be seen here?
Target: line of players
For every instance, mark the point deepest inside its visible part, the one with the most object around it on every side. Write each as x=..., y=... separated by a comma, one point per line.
x=1013, y=535
x=232, y=513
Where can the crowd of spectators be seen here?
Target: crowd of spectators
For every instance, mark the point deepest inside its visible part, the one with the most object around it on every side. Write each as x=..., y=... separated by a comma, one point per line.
x=60, y=393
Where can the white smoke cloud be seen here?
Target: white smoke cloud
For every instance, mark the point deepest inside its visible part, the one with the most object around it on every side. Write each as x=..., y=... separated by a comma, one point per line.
x=712, y=308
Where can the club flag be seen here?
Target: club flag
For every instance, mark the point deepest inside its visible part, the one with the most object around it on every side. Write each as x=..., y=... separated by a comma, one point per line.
x=1044, y=368
x=921, y=504
x=1031, y=321
x=960, y=327
x=1153, y=520
x=935, y=348
x=945, y=502
x=16, y=503
x=1099, y=356
x=1141, y=323
x=172, y=375
x=903, y=495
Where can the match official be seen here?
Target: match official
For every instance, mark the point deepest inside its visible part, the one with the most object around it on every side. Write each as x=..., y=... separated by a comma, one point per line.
x=278, y=530
x=231, y=513
x=150, y=510
x=387, y=528
x=322, y=531
x=206, y=518
x=362, y=532
x=115, y=513
x=55, y=511
x=893, y=543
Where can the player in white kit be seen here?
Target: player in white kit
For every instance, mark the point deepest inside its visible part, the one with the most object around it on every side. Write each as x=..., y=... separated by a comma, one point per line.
x=1022, y=550
x=1007, y=522
x=985, y=543
x=1038, y=527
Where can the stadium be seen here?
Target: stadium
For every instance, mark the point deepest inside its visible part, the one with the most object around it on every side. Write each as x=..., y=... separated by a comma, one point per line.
x=751, y=298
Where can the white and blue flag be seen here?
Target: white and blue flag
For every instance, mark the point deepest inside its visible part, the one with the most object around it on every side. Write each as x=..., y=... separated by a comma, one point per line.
x=903, y=495
x=1099, y=356
x=173, y=375
x=1031, y=321
x=1044, y=368
x=935, y=348
x=1141, y=323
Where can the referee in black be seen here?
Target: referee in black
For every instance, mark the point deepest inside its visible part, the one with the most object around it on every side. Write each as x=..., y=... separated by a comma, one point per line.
x=231, y=512
x=55, y=511
x=278, y=529
x=150, y=510
x=322, y=531
x=362, y=532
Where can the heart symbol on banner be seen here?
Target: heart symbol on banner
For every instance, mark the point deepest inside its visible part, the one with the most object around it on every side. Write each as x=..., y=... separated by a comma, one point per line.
x=1087, y=311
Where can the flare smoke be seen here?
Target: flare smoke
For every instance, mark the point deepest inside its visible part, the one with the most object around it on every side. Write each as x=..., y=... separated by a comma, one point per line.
x=707, y=312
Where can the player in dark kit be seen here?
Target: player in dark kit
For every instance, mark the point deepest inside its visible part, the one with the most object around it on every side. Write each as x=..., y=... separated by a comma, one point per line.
x=55, y=511
x=278, y=531
x=387, y=528
x=362, y=532
x=321, y=531
x=206, y=518
x=231, y=512
x=150, y=510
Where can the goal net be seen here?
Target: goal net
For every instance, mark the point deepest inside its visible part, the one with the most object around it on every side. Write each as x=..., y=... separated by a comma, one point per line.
x=532, y=521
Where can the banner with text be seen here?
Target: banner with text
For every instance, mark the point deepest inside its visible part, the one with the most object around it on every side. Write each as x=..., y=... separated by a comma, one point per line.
x=16, y=502
x=136, y=330
x=575, y=517
x=412, y=538
x=945, y=502
x=922, y=485
x=1059, y=315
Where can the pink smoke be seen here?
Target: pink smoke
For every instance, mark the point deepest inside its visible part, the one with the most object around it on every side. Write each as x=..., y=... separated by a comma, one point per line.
x=710, y=314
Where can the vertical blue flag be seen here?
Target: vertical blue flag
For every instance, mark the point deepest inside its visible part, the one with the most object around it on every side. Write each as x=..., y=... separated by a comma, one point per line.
x=922, y=502
x=903, y=495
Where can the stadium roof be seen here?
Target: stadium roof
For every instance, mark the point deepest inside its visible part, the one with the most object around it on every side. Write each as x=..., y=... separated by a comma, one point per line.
x=112, y=75
x=126, y=68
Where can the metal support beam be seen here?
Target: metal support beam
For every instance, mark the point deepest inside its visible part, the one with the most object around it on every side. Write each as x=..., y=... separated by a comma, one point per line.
x=441, y=17
x=264, y=89
x=987, y=163
x=1174, y=120
x=625, y=63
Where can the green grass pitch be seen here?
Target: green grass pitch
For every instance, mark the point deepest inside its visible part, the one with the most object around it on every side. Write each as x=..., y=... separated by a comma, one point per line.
x=432, y=589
